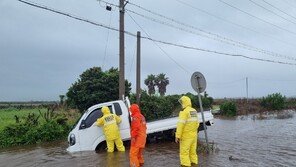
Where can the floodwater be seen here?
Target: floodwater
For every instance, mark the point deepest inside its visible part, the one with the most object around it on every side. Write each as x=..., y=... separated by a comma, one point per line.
x=249, y=142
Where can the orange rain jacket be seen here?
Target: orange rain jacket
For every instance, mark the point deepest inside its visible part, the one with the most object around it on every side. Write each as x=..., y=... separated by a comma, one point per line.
x=138, y=127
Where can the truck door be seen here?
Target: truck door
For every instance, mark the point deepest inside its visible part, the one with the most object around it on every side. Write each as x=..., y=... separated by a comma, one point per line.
x=124, y=126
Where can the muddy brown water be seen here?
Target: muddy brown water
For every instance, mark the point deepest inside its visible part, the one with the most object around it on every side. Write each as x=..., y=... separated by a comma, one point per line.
x=250, y=143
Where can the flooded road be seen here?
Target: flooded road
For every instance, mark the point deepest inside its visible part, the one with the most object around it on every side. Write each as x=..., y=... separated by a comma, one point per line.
x=248, y=142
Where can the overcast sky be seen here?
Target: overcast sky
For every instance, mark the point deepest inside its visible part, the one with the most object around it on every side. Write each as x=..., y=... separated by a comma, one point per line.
x=43, y=53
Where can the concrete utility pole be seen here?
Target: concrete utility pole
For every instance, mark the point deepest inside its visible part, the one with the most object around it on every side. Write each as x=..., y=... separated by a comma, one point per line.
x=247, y=90
x=138, y=89
x=121, y=50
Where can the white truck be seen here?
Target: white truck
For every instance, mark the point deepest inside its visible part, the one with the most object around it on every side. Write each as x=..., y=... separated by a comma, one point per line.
x=86, y=136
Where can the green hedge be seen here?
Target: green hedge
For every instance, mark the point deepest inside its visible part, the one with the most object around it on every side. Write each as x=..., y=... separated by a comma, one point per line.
x=159, y=107
x=275, y=101
x=32, y=131
x=228, y=108
x=156, y=107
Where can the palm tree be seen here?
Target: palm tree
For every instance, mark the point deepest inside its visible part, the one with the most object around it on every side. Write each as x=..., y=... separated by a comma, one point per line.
x=150, y=82
x=161, y=82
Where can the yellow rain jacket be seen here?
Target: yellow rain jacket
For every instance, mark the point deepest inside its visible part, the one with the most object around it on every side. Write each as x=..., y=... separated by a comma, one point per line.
x=188, y=122
x=109, y=121
x=187, y=127
x=110, y=129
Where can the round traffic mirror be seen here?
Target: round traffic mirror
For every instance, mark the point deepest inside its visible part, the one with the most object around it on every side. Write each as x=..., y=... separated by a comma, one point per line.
x=198, y=82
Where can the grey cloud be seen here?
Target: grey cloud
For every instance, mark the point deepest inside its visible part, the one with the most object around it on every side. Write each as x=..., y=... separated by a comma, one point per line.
x=42, y=53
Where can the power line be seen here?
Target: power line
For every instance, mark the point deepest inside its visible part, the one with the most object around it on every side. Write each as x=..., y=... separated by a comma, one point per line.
x=233, y=23
x=257, y=4
x=216, y=39
x=275, y=80
x=257, y=17
x=216, y=36
x=107, y=41
x=212, y=36
x=71, y=16
x=217, y=52
x=289, y=3
x=168, y=24
x=132, y=63
x=178, y=64
x=151, y=39
x=279, y=9
x=227, y=83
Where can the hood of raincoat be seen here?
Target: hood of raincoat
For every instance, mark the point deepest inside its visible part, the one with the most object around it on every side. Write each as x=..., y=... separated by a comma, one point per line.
x=134, y=109
x=105, y=110
x=185, y=101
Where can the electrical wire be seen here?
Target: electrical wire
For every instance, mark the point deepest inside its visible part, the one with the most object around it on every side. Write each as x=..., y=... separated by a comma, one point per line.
x=132, y=63
x=257, y=4
x=209, y=35
x=217, y=52
x=233, y=23
x=107, y=41
x=178, y=64
x=289, y=3
x=151, y=39
x=275, y=80
x=279, y=9
x=216, y=38
x=258, y=18
x=227, y=83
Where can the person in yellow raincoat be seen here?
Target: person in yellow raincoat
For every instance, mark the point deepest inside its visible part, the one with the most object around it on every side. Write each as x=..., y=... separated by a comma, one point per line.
x=110, y=128
x=186, y=133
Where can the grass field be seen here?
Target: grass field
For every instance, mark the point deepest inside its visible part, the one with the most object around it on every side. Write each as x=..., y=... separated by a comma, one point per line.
x=7, y=116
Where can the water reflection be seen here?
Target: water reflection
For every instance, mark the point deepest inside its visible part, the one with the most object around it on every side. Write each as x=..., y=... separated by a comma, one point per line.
x=240, y=142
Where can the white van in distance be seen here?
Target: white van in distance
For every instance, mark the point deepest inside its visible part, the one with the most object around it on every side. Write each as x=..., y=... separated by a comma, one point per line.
x=86, y=136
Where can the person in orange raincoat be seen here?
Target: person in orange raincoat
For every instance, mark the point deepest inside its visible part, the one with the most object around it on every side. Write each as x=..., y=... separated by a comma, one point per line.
x=138, y=136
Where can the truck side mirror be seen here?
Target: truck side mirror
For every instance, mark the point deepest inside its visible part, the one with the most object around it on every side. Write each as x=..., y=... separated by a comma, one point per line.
x=82, y=125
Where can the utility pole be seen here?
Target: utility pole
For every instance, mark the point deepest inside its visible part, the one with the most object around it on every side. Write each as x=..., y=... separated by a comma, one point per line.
x=247, y=91
x=121, y=50
x=138, y=89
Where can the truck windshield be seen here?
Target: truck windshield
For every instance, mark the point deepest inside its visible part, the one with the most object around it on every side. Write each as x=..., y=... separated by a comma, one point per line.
x=76, y=122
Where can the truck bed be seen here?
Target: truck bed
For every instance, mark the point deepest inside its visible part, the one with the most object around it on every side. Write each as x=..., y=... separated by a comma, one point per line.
x=171, y=123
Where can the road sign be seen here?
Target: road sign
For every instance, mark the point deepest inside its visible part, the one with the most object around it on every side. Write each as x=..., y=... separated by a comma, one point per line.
x=198, y=82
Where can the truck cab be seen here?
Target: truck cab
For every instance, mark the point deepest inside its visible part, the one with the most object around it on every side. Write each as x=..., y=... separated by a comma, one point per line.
x=86, y=136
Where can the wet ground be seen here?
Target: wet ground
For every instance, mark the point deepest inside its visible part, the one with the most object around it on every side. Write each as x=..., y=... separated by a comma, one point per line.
x=245, y=142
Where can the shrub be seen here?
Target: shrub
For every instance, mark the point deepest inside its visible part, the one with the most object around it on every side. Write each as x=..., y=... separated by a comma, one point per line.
x=206, y=101
x=32, y=131
x=156, y=107
x=228, y=109
x=274, y=101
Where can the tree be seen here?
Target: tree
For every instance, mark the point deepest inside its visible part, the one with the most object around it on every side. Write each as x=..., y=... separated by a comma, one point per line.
x=62, y=99
x=150, y=82
x=95, y=86
x=161, y=82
